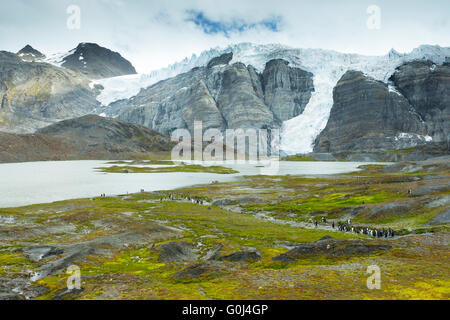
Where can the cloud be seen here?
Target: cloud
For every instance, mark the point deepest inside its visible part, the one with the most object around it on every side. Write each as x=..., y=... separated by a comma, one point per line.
x=226, y=28
x=153, y=34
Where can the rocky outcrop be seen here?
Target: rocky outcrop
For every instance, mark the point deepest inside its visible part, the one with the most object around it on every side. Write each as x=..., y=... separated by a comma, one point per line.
x=176, y=252
x=34, y=94
x=368, y=115
x=287, y=90
x=39, y=253
x=243, y=256
x=222, y=96
x=223, y=59
x=165, y=106
x=96, y=62
x=88, y=137
x=331, y=247
x=28, y=53
x=239, y=101
x=412, y=110
x=427, y=88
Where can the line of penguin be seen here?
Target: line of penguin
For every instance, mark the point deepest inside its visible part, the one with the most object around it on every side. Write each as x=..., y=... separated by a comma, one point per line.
x=171, y=197
x=340, y=226
x=347, y=227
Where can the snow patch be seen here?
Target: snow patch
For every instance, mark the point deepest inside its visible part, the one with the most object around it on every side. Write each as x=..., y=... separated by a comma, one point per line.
x=410, y=136
x=123, y=87
x=57, y=59
x=394, y=89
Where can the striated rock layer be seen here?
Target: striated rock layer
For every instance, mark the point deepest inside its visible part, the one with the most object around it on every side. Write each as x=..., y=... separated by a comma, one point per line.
x=34, y=94
x=222, y=96
x=412, y=110
x=427, y=88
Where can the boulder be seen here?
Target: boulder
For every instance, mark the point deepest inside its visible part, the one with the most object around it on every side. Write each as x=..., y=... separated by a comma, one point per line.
x=176, y=252
x=332, y=248
x=243, y=256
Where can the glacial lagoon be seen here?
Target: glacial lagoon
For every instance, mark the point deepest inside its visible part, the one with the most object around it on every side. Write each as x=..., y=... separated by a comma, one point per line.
x=42, y=182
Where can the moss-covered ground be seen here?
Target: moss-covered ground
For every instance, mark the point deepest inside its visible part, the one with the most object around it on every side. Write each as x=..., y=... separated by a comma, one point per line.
x=177, y=168
x=128, y=267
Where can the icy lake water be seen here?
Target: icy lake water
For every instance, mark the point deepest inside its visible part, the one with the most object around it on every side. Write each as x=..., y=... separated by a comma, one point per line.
x=41, y=182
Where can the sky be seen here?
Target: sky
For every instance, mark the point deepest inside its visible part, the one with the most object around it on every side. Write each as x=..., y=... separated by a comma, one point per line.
x=153, y=34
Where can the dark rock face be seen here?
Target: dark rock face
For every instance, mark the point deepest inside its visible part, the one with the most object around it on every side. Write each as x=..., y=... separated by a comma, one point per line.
x=366, y=115
x=223, y=97
x=239, y=102
x=287, y=90
x=28, y=53
x=427, y=88
x=223, y=59
x=331, y=247
x=176, y=252
x=34, y=95
x=97, y=62
x=242, y=256
x=88, y=137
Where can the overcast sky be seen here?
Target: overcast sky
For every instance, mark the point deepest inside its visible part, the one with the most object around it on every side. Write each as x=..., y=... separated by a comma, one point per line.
x=153, y=34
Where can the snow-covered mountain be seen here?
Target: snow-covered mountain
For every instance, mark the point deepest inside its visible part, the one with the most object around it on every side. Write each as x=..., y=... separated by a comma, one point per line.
x=299, y=133
x=93, y=61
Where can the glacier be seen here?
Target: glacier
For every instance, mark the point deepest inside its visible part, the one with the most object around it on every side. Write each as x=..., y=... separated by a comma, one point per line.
x=328, y=66
x=57, y=59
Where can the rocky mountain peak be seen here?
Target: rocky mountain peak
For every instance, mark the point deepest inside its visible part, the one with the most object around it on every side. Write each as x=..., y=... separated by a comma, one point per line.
x=97, y=62
x=28, y=53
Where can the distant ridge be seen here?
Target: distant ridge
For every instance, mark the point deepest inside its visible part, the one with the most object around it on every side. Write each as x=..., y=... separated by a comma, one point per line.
x=84, y=138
